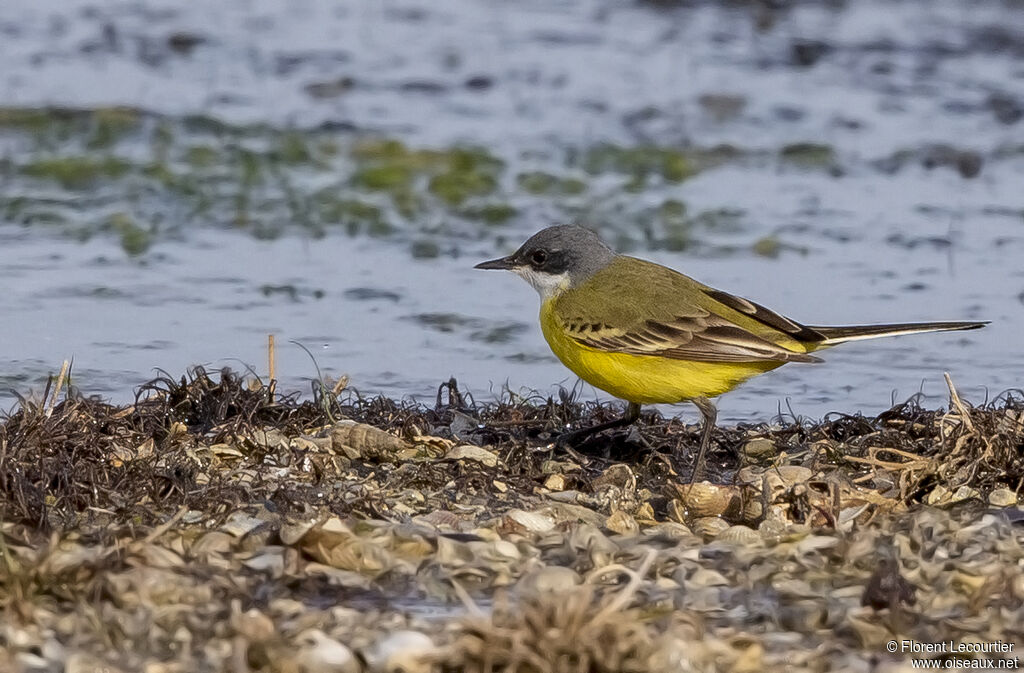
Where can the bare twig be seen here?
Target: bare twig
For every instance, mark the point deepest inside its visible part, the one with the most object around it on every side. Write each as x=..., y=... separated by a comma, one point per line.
x=56, y=389
x=955, y=401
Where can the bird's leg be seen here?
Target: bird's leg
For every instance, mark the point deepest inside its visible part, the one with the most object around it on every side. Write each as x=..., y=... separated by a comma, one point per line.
x=709, y=414
x=570, y=438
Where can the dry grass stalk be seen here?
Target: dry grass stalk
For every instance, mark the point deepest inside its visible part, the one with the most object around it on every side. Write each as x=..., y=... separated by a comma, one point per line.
x=271, y=357
x=61, y=378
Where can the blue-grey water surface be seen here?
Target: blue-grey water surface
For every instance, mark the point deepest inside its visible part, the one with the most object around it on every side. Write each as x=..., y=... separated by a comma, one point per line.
x=916, y=214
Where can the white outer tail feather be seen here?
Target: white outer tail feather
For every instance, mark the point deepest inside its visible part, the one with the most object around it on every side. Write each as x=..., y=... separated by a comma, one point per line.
x=842, y=334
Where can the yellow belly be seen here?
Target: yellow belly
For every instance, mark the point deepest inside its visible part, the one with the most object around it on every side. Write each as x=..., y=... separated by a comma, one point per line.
x=646, y=379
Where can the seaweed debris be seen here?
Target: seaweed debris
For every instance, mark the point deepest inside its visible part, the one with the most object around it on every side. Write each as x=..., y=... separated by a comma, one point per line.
x=170, y=448
x=215, y=524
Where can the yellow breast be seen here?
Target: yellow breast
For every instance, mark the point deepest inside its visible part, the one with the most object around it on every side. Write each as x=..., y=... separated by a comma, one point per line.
x=641, y=378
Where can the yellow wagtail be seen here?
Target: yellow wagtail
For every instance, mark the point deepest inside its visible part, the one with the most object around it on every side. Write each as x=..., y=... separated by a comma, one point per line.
x=650, y=335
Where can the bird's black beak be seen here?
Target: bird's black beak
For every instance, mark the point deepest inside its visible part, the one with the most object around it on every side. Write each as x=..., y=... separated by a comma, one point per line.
x=502, y=264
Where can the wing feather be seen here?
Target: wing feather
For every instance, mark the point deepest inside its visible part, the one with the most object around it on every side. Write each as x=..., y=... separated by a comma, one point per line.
x=766, y=316
x=679, y=318
x=709, y=339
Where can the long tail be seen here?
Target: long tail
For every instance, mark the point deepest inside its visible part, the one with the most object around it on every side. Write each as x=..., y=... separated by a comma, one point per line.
x=838, y=335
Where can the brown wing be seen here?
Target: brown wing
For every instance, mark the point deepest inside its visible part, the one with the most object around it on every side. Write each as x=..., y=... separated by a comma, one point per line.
x=766, y=316
x=704, y=339
x=644, y=308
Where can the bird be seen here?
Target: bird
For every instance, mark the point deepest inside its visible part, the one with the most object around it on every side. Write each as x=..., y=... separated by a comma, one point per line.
x=648, y=334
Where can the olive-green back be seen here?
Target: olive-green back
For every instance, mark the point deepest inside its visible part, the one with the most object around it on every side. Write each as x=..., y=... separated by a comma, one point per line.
x=636, y=306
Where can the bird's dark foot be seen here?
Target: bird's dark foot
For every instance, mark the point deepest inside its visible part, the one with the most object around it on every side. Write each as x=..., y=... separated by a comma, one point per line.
x=634, y=436
x=570, y=440
x=583, y=436
x=604, y=441
x=567, y=442
x=576, y=437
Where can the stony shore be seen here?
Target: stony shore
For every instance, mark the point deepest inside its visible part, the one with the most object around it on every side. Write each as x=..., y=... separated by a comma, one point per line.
x=216, y=525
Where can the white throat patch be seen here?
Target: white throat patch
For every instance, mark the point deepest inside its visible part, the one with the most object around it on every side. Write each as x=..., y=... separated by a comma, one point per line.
x=547, y=285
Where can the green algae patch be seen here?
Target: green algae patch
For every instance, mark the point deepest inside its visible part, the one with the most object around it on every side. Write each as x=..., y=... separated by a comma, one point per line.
x=204, y=124
x=135, y=240
x=384, y=178
x=490, y=213
x=467, y=172
x=76, y=172
x=809, y=155
x=455, y=186
x=267, y=181
x=768, y=246
x=355, y=215
x=639, y=163
x=184, y=185
x=33, y=120
x=543, y=183
x=772, y=247
x=453, y=176
x=99, y=129
x=381, y=149
x=111, y=124
x=672, y=210
x=408, y=203
x=292, y=148
x=395, y=155
x=26, y=211
x=202, y=156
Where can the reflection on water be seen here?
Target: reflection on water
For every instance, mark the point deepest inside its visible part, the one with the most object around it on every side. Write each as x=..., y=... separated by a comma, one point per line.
x=331, y=173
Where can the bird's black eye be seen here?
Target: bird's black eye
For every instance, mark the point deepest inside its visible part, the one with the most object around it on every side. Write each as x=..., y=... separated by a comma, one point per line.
x=538, y=257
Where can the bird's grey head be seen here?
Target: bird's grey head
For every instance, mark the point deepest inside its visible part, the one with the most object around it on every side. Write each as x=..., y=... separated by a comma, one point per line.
x=556, y=258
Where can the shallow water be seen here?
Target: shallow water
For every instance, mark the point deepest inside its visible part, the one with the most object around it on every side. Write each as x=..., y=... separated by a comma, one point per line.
x=851, y=163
